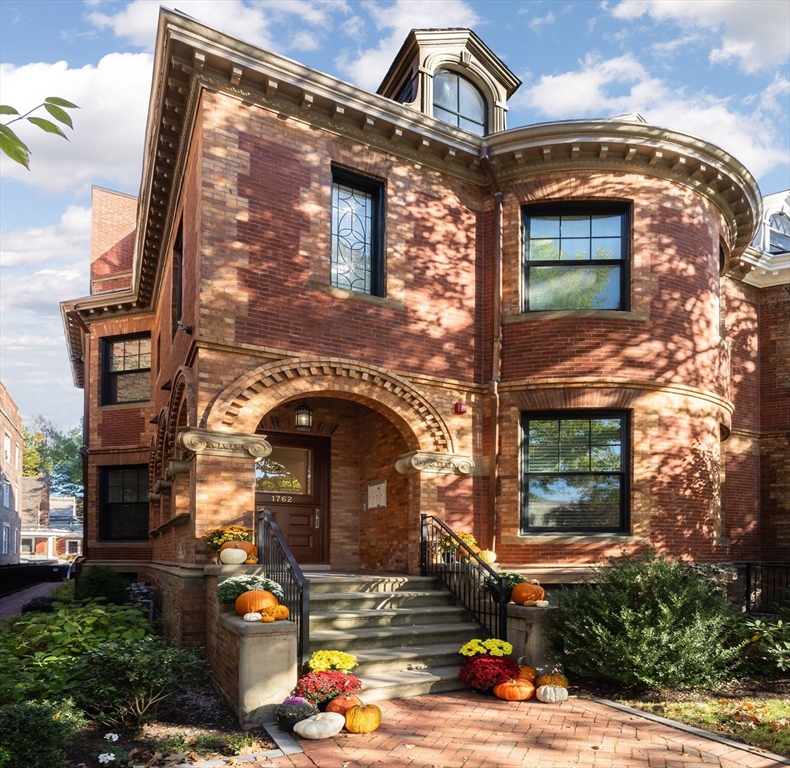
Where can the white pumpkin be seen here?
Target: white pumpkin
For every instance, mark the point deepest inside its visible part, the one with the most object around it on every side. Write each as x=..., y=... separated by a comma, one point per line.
x=487, y=555
x=324, y=725
x=541, y=603
x=231, y=556
x=252, y=616
x=551, y=694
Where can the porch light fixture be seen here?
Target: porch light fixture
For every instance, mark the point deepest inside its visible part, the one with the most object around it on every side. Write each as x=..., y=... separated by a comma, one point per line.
x=304, y=417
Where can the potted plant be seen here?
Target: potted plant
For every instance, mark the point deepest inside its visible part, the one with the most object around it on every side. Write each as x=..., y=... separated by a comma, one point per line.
x=291, y=711
x=512, y=579
x=321, y=687
x=214, y=538
x=230, y=589
x=487, y=663
x=452, y=549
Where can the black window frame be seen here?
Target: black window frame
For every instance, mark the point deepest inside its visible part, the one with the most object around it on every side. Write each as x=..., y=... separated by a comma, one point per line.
x=107, y=508
x=624, y=473
x=177, y=299
x=457, y=112
x=109, y=389
x=578, y=208
x=377, y=190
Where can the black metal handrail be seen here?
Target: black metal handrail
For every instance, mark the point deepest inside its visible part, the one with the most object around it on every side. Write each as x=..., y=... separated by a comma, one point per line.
x=278, y=561
x=767, y=587
x=476, y=585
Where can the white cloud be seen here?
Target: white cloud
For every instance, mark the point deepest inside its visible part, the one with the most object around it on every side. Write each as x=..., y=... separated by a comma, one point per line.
x=254, y=22
x=109, y=127
x=538, y=22
x=603, y=88
x=367, y=67
x=39, y=293
x=753, y=34
x=67, y=241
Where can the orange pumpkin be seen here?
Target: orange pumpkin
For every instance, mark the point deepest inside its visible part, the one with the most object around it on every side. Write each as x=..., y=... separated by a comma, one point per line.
x=527, y=673
x=525, y=592
x=280, y=612
x=553, y=678
x=254, y=601
x=341, y=704
x=363, y=718
x=245, y=546
x=519, y=689
x=267, y=618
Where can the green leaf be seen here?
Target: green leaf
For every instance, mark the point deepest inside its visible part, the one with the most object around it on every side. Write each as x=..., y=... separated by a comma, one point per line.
x=6, y=110
x=46, y=125
x=58, y=102
x=14, y=147
x=59, y=114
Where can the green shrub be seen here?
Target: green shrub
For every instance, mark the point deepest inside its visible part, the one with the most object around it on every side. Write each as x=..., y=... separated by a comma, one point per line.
x=33, y=734
x=125, y=682
x=64, y=592
x=650, y=621
x=767, y=643
x=101, y=581
x=229, y=589
x=37, y=650
x=40, y=604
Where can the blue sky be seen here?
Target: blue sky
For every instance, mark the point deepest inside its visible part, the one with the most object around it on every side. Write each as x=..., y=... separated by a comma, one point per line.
x=718, y=69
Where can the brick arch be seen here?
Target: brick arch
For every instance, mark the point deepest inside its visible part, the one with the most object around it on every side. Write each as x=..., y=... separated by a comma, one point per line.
x=241, y=405
x=184, y=391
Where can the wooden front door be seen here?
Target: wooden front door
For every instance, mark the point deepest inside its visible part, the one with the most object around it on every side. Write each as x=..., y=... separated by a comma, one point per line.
x=293, y=482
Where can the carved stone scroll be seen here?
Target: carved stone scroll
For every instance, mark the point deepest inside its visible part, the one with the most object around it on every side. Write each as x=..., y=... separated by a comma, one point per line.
x=437, y=463
x=230, y=444
x=176, y=468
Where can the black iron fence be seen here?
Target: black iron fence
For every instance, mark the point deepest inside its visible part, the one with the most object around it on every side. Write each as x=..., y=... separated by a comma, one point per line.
x=475, y=584
x=767, y=587
x=276, y=558
x=23, y=575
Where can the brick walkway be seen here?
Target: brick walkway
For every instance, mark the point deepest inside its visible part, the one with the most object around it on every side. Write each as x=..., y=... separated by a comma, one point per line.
x=467, y=730
x=12, y=604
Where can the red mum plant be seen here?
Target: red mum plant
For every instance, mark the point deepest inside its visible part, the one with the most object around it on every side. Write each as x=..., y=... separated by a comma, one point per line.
x=318, y=687
x=484, y=672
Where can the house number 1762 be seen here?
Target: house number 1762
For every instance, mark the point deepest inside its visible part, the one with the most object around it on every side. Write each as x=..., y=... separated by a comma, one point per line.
x=282, y=499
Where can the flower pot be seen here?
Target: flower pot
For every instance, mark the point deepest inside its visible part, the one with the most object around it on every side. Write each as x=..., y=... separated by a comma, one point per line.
x=286, y=723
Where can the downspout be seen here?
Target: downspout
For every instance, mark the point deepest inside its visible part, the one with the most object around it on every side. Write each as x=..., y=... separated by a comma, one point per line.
x=496, y=351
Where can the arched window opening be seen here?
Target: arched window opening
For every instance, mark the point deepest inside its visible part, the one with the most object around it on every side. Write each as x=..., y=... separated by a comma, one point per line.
x=458, y=101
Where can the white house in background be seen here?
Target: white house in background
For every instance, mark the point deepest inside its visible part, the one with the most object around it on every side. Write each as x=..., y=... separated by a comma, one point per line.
x=51, y=529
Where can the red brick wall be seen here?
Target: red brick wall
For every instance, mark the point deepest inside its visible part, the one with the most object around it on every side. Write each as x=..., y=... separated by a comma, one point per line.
x=113, y=219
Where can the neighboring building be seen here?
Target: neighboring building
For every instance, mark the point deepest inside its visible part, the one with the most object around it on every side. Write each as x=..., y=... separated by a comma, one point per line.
x=11, y=433
x=51, y=529
x=546, y=335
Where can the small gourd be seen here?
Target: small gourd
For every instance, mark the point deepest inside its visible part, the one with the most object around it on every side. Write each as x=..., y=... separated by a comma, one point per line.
x=267, y=618
x=324, y=725
x=341, y=704
x=252, y=616
x=551, y=694
x=280, y=612
x=363, y=718
x=251, y=560
x=527, y=673
x=519, y=689
x=552, y=678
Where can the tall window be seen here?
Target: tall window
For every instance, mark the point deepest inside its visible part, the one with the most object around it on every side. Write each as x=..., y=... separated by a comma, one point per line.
x=574, y=471
x=177, y=305
x=127, y=370
x=576, y=257
x=6, y=537
x=458, y=101
x=123, y=505
x=6, y=492
x=357, y=257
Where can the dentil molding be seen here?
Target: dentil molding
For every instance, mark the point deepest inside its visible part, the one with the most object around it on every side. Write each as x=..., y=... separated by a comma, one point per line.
x=207, y=442
x=437, y=463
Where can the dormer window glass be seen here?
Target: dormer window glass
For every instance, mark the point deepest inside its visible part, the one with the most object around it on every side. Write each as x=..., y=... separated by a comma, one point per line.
x=458, y=101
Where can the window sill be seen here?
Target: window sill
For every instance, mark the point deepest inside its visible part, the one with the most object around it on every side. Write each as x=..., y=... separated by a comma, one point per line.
x=557, y=314
x=173, y=522
x=574, y=538
x=134, y=404
x=342, y=293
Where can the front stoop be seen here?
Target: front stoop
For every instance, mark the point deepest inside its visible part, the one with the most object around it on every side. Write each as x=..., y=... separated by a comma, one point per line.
x=404, y=630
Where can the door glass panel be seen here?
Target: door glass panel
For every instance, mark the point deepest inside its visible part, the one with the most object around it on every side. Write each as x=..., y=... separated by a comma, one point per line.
x=285, y=470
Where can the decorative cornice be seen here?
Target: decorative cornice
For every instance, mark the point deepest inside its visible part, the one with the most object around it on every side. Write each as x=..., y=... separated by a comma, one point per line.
x=177, y=468
x=436, y=463
x=207, y=442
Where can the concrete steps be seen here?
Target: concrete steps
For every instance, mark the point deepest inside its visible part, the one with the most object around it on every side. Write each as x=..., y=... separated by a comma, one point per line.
x=405, y=632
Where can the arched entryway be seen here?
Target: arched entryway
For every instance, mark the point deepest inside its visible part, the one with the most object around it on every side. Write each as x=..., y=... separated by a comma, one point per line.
x=335, y=490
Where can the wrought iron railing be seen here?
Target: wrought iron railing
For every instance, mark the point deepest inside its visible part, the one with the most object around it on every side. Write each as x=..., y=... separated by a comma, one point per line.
x=474, y=583
x=767, y=587
x=275, y=556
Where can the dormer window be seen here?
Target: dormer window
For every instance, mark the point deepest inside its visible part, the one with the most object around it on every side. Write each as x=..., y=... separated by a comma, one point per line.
x=458, y=101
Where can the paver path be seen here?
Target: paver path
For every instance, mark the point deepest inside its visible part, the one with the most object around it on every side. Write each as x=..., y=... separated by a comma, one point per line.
x=12, y=604
x=468, y=730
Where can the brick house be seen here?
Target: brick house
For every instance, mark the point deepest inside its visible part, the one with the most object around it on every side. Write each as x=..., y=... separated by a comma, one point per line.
x=558, y=337
x=12, y=435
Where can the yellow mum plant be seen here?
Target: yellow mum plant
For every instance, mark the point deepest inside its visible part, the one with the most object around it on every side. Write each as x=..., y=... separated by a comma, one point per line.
x=489, y=647
x=324, y=661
